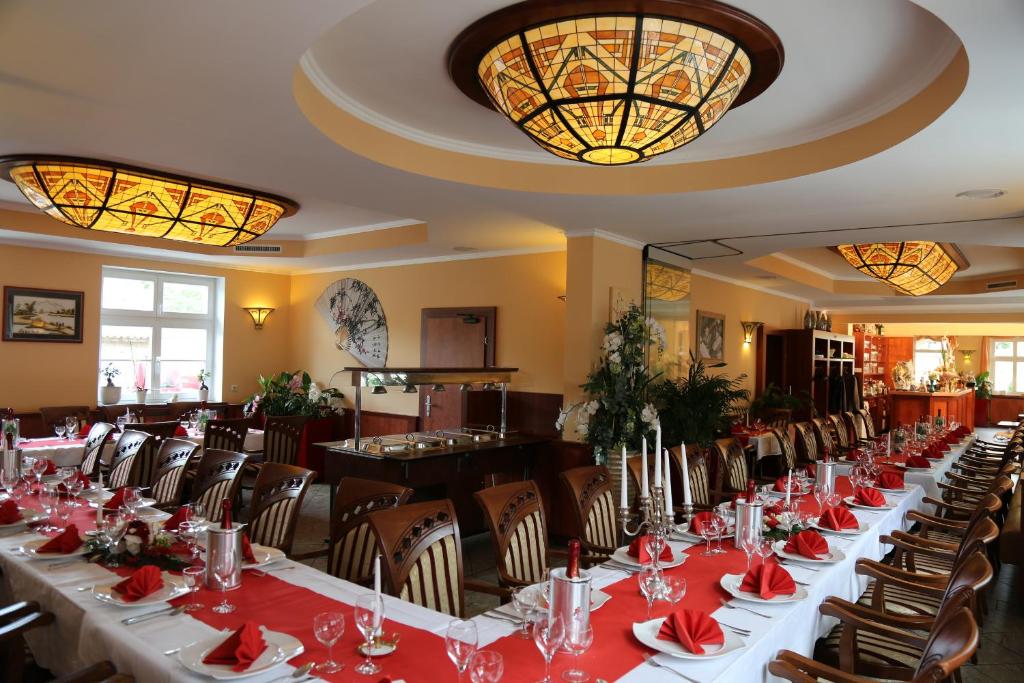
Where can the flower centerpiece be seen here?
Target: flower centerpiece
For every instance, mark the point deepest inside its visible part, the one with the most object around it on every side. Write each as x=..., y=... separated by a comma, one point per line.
x=616, y=411
x=778, y=523
x=901, y=375
x=134, y=545
x=293, y=393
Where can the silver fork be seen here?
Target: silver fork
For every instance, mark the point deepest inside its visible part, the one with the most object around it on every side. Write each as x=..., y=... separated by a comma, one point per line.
x=729, y=605
x=658, y=665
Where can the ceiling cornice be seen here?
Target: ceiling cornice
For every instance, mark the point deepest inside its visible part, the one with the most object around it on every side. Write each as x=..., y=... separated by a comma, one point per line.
x=605, y=235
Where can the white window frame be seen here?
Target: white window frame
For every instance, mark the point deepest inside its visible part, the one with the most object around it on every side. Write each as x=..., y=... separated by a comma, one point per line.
x=212, y=321
x=936, y=353
x=1015, y=358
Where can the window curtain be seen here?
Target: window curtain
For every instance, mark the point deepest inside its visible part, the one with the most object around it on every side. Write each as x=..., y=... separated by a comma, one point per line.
x=986, y=344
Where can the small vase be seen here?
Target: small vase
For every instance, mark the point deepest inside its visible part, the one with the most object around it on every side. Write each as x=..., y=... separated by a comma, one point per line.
x=204, y=395
x=110, y=395
x=140, y=395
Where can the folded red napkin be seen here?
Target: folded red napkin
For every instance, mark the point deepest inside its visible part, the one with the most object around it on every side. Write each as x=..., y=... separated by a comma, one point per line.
x=854, y=455
x=145, y=581
x=776, y=507
x=51, y=468
x=240, y=649
x=809, y=544
x=180, y=515
x=838, y=519
x=768, y=580
x=692, y=629
x=637, y=549
x=891, y=480
x=942, y=447
x=918, y=461
x=249, y=557
x=65, y=543
x=9, y=512
x=782, y=482
x=180, y=431
x=869, y=496
x=116, y=501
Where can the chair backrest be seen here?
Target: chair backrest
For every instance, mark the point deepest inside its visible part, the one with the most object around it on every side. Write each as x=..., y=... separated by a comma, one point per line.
x=226, y=435
x=97, y=436
x=953, y=641
x=422, y=554
x=282, y=437
x=787, y=448
x=854, y=423
x=593, y=507
x=732, y=464
x=276, y=501
x=778, y=418
x=700, y=474
x=515, y=516
x=171, y=463
x=160, y=431
x=217, y=477
x=869, y=423
x=806, y=442
x=838, y=428
x=52, y=415
x=353, y=545
x=179, y=408
x=111, y=413
x=823, y=433
x=124, y=470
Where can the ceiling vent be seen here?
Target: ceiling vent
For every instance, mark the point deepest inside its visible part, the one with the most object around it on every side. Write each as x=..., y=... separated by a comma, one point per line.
x=1002, y=284
x=257, y=248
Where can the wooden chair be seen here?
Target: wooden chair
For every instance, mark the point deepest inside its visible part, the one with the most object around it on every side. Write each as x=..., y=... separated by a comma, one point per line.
x=806, y=443
x=593, y=507
x=125, y=466
x=171, y=463
x=282, y=437
x=226, y=435
x=352, y=545
x=94, y=443
x=422, y=554
x=869, y=423
x=217, y=477
x=111, y=413
x=855, y=428
x=823, y=434
x=515, y=517
x=789, y=457
x=160, y=431
x=179, y=408
x=778, y=418
x=52, y=415
x=700, y=476
x=951, y=643
x=276, y=502
x=732, y=467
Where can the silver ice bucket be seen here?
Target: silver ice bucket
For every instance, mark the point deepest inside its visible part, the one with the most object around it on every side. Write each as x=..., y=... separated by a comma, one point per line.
x=10, y=460
x=826, y=475
x=749, y=515
x=223, y=546
x=11, y=427
x=570, y=600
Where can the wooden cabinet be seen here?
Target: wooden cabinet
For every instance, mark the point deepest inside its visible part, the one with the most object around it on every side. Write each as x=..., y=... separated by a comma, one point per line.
x=909, y=406
x=897, y=349
x=815, y=362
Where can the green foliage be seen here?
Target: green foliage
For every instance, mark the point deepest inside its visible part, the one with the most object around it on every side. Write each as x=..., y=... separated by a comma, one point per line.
x=292, y=393
x=774, y=398
x=695, y=408
x=983, y=385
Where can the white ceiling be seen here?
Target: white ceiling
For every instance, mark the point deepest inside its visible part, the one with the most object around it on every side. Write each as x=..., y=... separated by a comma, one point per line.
x=206, y=89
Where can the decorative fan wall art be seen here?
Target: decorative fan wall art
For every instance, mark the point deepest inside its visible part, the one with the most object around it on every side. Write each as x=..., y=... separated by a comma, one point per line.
x=355, y=314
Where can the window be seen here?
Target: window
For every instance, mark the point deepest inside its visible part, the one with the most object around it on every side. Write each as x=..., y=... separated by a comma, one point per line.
x=927, y=356
x=1006, y=360
x=160, y=329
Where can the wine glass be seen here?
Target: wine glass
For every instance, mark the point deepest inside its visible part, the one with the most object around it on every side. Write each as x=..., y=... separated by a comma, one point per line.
x=764, y=549
x=63, y=509
x=106, y=535
x=522, y=603
x=748, y=543
x=649, y=578
x=192, y=576
x=548, y=636
x=675, y=589
x=654, y=544
x=39, y=466
x=223, y=570
x=74, y=486
x=188, y=533
x=706, y=531
x=821, y=494
x=460, y=642
x=132, y=497
x=486, y=667
x=183, y=421
x=578, y=639
x=121, y=422
x=59, y=429
x=193, y=421
x=329, y=627
x=71, y=426
x=369, y=613
x=9, y=479
x=718, y=528
x=196, y=513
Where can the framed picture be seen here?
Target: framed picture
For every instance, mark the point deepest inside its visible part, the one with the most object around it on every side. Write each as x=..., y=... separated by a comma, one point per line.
x=46, y=315
x=711, y=336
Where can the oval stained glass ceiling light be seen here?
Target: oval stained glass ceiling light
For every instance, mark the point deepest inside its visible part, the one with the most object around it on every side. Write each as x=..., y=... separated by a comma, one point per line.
x=612, y=82
x=913, y=268
x=111, y=197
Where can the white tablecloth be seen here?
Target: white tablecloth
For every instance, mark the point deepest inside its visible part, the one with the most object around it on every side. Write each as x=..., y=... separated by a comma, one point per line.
x=929, y=480
x=766, y=445
x=253, y=440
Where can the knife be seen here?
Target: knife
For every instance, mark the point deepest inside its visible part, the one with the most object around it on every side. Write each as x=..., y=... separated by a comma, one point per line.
x=169, y=611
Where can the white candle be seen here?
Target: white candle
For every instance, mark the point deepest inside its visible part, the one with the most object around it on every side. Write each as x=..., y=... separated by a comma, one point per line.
x=623, y=498
x=376, y=576
x=668, y=489
x=789, y=481
x=686, y=478
x=657, y=456
x=645, y=489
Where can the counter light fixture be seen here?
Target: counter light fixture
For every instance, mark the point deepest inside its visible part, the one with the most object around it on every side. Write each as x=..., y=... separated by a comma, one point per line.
x=437, y=387
x=259, y=315
x=409, y=389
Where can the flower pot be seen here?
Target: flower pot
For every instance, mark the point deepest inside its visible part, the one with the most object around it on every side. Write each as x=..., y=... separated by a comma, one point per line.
x=140, y=395
x=204, y=394
x=110, y=395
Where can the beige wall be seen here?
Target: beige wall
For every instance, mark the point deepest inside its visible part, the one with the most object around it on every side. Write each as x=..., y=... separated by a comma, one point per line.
x=525, y=289
x=35, y=374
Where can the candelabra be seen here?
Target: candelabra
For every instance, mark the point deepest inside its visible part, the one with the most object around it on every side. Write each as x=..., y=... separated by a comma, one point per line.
x=650, y=515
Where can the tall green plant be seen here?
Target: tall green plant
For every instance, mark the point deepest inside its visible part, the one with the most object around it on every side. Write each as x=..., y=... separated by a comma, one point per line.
x=292, y=393
x=774, y=398
x=983, y=385
x=695, y=408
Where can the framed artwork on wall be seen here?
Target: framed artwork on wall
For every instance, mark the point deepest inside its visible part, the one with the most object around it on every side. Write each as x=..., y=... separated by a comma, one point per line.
x=44, y=315
x=711, y=336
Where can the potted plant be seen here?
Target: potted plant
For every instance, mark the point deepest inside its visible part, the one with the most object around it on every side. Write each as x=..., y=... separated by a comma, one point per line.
x=696, y=408
x=110, y=393
x=204, y=391
x=140, y=384
x=772, y=401
x=982, y=399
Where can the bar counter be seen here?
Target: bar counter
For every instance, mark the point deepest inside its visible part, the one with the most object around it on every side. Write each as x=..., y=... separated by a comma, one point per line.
x=909, y=406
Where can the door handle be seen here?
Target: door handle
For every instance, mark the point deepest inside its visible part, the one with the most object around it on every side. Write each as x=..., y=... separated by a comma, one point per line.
x=428, y=405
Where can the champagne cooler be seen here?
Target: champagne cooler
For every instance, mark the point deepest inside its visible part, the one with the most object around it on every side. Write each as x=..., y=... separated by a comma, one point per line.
x=223, y=549
x=749, y=517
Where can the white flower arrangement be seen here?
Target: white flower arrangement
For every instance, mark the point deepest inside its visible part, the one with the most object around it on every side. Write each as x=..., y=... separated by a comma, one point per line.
x=650, y=416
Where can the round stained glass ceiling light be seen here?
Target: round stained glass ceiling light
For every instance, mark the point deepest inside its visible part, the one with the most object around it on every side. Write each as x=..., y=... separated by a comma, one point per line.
x=913, y=268
x=613, y=82
x=110, y=197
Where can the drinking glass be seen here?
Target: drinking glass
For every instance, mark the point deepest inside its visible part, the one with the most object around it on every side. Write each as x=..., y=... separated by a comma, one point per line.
x=132, y=498
x=369, y=613
x=38, y=467
x=748, y=544
x=649, y=578
x=820, y=495
x=764, y=549
x=74, y=486
x=183, y=421
x=675, y=589
x=63, y=509
x=188, y=533
x=19, y=489
x=718, y=527
x=460, y=642
x=486, y=667
x=548, y=636
x=9, y=479
x=121, y=421
x=707, y=533
x=578, y=640
x=522, y=604
x=654, y=543
x=223, y=571
x=329, y=627
x=196, y=514
x=71, y=426
x=59, y=429
x=193, y=421
x=192, y=577
x=47, y=501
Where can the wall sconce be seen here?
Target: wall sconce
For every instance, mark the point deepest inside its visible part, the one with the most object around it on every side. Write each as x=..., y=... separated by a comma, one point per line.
x=259, y=315
x=968, y=354
x=748, y=331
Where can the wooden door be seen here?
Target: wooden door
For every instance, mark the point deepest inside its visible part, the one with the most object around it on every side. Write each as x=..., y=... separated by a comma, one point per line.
x=452, y=338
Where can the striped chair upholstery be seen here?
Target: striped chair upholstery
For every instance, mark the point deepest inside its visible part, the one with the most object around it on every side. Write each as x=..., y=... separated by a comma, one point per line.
x=838, y=429
x=515, y=516
x=700, y=477
x=226, y=435
x=171, y=462
x=160, y=431
x=787, y=448
x=732, y=465
x=276, y=502
x=282, y=437
x=593, y=507
x=806, y=442
x=124, y=470
x=217, y=478
x=94, y=442
x=869, y=424
x=353, y=545
x=422, y=554
x=823, y=433
x=854, y=422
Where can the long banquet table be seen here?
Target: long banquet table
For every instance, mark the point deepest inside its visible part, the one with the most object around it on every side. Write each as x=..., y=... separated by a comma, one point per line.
x=286, y=599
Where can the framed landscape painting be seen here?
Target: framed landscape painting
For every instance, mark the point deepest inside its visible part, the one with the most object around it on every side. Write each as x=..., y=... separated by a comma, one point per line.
x=711, y=336
x=46, y=315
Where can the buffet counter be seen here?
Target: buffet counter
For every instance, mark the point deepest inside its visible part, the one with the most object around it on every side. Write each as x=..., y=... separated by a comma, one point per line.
x=908, y=406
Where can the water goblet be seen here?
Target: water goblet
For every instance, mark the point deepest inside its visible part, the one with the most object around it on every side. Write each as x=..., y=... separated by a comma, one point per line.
x=675, y=588
x=329, y=627
x=578, y=639
x=649, y=578
x=188, y=533
x=75, y=486
x=748, y=544
x=718, y=528
x=63, y=509
x=460, y=642
x=821, y=493
x=193, y=577
x=223, y=570
x=548, y=636
x=486, y=667
x=121, y=421
x=764, y=549
x=71, y=426
x=706, y=530
x=522, y=603
x=369, y=614
x=59, y=429
x=654, y=543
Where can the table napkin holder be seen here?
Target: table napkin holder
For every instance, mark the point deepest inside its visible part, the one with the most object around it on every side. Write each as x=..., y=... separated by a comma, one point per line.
x=223, y=545
x=569, y=598
x=749, y=515
x=826, y=474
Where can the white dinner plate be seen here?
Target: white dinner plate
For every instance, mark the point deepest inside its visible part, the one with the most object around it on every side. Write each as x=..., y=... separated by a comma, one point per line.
x=905, y=489
x=537, y=598
x=731, y=583
x=682, y=533
x=622, y=556
x=172, y=588
x=845, y=532
x=27, y=517
x=30, y=547
x=148, y=514
x=795, y=494
x=264, y=556
x=280, y=648
x=100, y=500
x=849, y=501
x=834, y=555
x=647, y=633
